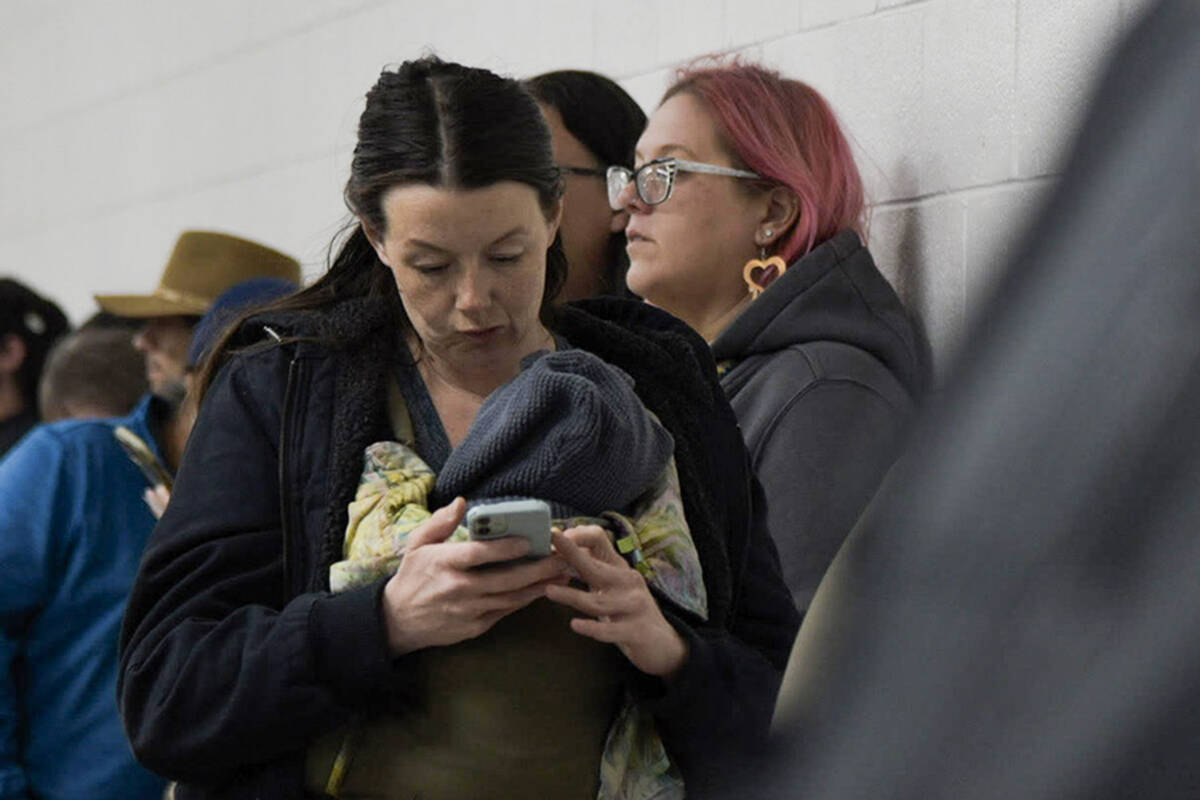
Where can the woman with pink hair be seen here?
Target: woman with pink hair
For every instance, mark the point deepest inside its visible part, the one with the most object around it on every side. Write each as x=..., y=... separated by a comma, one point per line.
x=746, y=221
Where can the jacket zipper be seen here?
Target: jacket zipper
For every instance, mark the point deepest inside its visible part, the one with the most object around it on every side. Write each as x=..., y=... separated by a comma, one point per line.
x=293, y=567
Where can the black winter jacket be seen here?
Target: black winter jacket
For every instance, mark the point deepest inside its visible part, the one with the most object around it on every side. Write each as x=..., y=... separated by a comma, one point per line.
x=234, y=657
x=826, y=368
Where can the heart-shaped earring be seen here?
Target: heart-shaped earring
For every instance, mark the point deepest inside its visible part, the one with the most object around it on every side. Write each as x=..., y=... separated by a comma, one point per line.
x=759, y=273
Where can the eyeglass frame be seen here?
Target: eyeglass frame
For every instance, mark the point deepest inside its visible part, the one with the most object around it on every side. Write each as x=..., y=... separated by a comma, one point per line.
x=674, y=165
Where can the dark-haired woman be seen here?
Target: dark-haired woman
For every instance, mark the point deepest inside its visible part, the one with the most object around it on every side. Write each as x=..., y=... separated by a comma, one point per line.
x=242, y=676
x=594, y=124
x=29, y=325
x=746, y=222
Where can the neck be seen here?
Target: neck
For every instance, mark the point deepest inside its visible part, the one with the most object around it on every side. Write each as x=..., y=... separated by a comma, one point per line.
x=12, y=402
x=482, y=378
x=711, y=321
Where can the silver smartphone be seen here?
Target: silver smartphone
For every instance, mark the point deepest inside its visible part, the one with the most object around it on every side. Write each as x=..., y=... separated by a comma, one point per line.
x=529, y=519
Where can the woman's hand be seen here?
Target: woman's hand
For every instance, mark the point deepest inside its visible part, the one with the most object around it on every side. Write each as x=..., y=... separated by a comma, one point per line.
x=624, y=611
x=438, y=598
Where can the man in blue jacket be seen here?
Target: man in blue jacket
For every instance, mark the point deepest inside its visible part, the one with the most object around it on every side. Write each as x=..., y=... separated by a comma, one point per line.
x=73, y=525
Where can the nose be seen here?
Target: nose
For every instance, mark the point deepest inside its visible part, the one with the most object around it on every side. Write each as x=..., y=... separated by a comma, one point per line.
x=630, y=201
x=142, y=339
x=473, y=291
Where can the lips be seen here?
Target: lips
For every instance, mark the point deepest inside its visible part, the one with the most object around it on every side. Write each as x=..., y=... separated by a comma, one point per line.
x=636, y=237
x=481, y=333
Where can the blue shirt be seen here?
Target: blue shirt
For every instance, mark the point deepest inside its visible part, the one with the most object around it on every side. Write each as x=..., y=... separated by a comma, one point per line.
x=72, y=529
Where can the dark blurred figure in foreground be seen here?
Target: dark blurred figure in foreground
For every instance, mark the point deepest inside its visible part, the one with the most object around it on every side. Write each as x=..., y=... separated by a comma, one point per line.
x=93, y=372
x=1018, y=614
x=29, y=325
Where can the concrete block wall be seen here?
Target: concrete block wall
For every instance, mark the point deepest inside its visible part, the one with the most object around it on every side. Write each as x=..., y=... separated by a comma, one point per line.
x=130, y=120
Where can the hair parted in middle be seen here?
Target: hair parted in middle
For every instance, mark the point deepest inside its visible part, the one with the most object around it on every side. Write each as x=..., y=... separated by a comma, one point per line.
x=784, y=130
x=444, y=124
x=436, y=123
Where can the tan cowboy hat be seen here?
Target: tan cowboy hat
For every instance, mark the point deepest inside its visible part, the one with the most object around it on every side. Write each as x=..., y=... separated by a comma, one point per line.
x=203, y=265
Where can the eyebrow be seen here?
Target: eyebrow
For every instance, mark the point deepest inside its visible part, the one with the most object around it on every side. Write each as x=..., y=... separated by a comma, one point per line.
x=667, y=149
x=520, y=229
x=426, y=245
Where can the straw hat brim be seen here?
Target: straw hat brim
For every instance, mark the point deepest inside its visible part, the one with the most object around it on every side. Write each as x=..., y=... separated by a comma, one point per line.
x=149, y=305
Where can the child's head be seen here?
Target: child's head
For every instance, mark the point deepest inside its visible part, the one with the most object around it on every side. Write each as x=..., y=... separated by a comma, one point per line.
x=570, y=430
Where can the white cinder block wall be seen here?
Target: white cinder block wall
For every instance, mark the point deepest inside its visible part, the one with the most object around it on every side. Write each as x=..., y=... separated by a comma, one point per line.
x=127, y=121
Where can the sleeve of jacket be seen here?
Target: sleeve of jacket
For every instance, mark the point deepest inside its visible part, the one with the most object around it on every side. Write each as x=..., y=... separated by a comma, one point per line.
x=33, y=482
x=217, y=669
x=717, y=711
x=820, y=462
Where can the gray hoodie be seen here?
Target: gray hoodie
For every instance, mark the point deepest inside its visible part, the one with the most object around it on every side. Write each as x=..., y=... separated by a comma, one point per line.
x=824, y=369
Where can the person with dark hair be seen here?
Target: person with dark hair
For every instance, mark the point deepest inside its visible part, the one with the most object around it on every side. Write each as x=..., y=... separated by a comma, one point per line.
x=29, y=326
x=74, y=524
x=92, y=372
x=453, y=681
x=746, y=221
x=594, y=123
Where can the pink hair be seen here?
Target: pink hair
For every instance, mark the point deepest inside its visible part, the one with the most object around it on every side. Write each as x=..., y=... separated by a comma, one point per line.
x=785, y=131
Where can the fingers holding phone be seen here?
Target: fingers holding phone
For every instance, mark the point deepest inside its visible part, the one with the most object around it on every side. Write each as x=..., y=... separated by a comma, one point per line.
x=438, y=596
x=158, y=494
x=156, y=498
x=617, y=605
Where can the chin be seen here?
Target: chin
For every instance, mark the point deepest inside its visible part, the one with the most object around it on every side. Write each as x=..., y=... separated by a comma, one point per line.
x=640, y=280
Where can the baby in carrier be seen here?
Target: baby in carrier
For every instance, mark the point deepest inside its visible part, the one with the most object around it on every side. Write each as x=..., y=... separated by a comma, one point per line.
x=568, y=430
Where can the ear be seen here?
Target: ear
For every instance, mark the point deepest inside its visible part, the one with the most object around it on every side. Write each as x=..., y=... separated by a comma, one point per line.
x=12, y=353
x=376, y=242
x=618, y=222
x=782, y=211
x=554, y=219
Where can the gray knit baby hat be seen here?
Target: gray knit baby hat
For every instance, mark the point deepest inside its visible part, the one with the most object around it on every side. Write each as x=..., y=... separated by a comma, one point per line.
x=568, y=430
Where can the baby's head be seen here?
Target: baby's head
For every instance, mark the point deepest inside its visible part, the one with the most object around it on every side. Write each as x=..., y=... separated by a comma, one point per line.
x=570, y=430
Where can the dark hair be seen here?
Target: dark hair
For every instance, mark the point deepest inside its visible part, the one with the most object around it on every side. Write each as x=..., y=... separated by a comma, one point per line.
x=607, y=121
x=38, y=322
x=95, y=368
x=437, y=123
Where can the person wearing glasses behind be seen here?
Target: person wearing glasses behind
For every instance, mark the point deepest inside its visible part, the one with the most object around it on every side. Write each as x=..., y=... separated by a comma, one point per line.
x=242, y=675
x=593, y=123
x=746, y=220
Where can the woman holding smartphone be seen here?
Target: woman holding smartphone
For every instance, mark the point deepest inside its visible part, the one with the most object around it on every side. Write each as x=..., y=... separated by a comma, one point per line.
x=241, y=673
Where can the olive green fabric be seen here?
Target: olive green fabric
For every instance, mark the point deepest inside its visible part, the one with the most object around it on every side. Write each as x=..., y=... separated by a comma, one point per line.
x=521, y=711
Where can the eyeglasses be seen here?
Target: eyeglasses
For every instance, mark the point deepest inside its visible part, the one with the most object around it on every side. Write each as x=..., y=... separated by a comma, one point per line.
x=655, y=180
